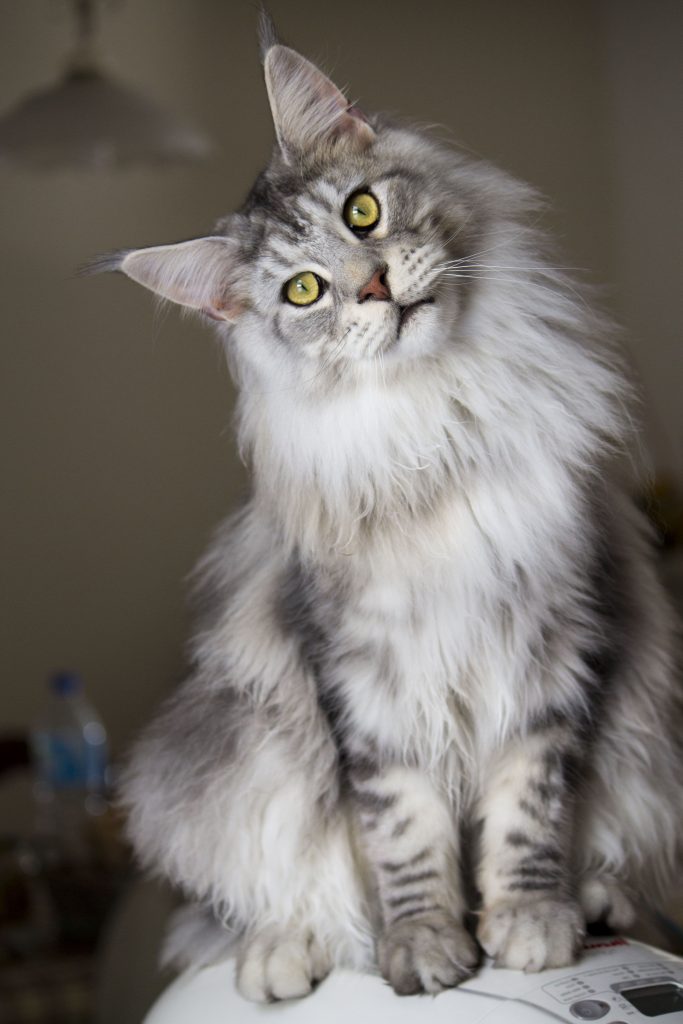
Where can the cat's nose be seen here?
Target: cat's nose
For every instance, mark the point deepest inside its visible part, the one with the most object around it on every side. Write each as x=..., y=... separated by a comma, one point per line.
x=377, y=287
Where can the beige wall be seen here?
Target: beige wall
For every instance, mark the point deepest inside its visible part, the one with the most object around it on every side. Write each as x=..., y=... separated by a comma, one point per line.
x=117, y=455
x=643, y=63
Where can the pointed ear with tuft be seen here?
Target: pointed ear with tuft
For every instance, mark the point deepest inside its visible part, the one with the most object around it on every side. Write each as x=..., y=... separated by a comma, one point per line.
x=308, y=109
x=202, y=274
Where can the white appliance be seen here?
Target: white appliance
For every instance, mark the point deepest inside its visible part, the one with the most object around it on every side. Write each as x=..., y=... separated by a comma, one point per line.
x=616, y=981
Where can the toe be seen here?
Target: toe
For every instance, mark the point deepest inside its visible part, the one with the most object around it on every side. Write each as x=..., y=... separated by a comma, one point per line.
x=288, y=974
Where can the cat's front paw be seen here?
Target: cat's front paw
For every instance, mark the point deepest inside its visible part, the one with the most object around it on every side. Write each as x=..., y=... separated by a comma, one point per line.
x=603, y=898
x=428, y=953
x=533, y=935
x=272, y=965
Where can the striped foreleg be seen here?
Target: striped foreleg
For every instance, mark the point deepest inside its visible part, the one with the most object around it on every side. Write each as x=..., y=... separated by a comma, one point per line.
x=530, y=918
x=410, y=840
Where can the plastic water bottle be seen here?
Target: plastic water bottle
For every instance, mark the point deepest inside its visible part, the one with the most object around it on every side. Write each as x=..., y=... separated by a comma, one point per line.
x=69, y=745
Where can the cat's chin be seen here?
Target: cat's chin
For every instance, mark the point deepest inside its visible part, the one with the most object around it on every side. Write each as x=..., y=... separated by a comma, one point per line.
x=416, y=333
x=408, y=313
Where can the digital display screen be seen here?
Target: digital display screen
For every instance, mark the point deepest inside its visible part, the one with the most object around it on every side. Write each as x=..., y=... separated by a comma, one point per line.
x=655, y=1000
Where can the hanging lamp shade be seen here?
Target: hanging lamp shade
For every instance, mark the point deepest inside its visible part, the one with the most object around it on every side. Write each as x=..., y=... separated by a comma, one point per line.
x=89, y=119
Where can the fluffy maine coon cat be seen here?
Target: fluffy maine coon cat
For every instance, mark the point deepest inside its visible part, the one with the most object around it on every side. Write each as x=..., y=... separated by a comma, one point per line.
x=436, y=621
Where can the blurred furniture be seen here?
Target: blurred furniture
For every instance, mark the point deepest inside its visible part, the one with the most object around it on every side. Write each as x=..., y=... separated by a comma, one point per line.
x=51, y=912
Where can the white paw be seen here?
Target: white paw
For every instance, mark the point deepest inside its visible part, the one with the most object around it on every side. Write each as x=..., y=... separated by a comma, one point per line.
x=272, y=967
x=603, y=898
x=533, y=935
x=426, y=954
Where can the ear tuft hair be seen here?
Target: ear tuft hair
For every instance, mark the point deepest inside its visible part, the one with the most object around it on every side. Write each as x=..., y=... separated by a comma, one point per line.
x=104, y=263
x=267, y=33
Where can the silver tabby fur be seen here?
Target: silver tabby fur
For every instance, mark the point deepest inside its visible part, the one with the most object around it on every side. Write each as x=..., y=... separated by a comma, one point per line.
x=436, y=622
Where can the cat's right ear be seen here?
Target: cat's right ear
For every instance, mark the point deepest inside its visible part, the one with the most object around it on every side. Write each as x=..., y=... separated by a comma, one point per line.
x=202, y=274
x=308, y=109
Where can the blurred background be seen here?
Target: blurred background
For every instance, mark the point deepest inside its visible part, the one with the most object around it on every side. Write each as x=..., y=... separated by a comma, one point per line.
x=117, y=452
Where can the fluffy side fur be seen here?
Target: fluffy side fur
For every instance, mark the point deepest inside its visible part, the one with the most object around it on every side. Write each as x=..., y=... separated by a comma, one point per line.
x=437, y=613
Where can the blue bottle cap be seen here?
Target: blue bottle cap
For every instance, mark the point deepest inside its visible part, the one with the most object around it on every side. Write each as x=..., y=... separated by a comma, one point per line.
x=65, y=683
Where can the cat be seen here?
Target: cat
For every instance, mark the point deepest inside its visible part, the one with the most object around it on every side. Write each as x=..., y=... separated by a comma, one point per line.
x=434, y=632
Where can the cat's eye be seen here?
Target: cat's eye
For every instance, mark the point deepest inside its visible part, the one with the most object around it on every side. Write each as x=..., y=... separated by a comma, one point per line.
x=303, y=289
x=361, y=212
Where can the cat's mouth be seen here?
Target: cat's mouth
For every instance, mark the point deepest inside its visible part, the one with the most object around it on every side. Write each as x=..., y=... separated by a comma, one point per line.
x=406, y=312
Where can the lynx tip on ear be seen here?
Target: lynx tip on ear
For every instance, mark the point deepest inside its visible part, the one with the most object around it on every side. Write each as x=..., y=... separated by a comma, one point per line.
x=267, y=33
x=102, y=264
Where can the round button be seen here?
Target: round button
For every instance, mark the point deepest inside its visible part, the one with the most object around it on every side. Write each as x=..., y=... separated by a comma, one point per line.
x=589, y=1009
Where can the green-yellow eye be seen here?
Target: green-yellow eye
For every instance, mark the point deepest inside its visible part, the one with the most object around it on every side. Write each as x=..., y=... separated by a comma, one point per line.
x=361, y=211
x=303, y=288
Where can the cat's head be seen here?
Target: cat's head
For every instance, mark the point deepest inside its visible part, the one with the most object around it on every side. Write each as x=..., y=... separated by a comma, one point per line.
x=345, y=252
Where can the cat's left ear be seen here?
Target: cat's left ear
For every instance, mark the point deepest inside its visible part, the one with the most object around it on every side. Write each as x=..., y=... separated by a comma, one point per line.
x=202, y=274
x=308, y=109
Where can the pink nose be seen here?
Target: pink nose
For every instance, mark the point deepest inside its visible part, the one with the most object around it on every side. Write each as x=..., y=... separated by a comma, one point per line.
x=376, y=288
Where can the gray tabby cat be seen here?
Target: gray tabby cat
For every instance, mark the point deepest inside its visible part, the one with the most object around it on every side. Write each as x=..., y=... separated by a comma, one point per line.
x=437, y=616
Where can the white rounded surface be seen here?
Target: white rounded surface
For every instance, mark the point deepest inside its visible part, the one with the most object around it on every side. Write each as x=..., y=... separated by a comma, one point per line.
x=492, y=995
x=345, y=997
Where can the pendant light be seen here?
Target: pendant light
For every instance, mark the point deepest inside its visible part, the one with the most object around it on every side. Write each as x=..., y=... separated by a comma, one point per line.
x=88, y=119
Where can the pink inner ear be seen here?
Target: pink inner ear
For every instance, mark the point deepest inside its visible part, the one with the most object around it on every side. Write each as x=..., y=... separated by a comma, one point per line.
x=207, y=311
x=224, y=309
x=351, y=119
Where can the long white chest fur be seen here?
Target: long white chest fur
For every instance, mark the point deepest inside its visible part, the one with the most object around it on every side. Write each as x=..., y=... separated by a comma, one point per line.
x=440, y=659
x=437, y=572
